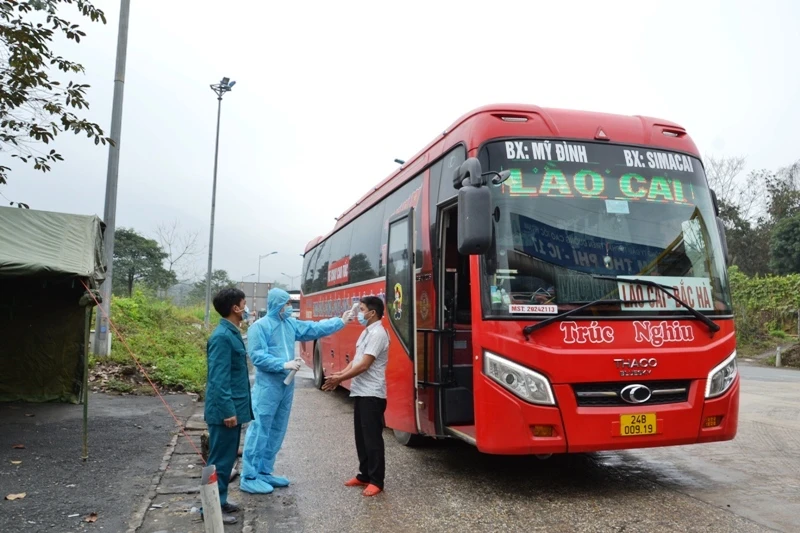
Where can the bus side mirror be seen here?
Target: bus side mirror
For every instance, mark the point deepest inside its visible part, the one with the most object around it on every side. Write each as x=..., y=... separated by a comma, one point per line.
x=724, y=239
x=474, y=209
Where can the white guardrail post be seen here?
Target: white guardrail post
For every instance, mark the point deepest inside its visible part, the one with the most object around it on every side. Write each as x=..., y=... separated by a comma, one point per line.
x=209, y=495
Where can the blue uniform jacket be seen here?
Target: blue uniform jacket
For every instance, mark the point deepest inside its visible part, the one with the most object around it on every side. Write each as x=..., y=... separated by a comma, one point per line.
x=227, y=382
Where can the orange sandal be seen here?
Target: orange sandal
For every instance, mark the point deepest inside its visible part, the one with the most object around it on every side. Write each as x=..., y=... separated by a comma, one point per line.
x=355, y=482
x=372, y=490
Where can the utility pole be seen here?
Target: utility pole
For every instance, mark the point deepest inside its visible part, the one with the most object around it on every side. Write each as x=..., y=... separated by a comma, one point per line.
x=102, y=339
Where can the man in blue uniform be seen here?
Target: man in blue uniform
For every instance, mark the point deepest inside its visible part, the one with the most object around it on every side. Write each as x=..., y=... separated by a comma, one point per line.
x=227, y=402
x=271, y=342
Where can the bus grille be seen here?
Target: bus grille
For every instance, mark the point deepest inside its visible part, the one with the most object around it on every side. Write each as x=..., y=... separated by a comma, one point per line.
x=609, y=394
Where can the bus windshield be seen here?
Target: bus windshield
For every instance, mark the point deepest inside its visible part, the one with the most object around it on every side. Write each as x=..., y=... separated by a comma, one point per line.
x=575, y=211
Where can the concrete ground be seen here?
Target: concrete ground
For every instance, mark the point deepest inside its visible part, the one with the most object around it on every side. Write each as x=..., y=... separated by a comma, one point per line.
x=128, y=436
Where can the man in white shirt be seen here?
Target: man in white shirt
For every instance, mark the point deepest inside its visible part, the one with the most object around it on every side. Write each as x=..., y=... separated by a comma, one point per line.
x=368, y=388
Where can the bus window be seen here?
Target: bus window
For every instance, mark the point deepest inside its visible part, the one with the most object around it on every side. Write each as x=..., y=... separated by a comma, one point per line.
x=365, y=245
x=450, y=163
x=407, y=196
x=338, y=265
x=321, y=267
x=309, y=271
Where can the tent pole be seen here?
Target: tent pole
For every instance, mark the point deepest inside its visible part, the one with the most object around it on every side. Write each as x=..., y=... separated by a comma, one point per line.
x=88, y=328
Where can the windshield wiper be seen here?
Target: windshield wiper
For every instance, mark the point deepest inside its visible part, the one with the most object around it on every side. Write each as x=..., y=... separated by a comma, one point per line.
x=712, y=326
x=527, y=330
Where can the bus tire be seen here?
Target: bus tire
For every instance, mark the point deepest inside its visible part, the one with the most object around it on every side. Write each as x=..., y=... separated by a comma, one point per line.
x=319, y=373
x=407, y=439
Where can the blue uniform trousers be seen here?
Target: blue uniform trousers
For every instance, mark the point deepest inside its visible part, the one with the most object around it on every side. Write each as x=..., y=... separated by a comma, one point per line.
x=223, y=444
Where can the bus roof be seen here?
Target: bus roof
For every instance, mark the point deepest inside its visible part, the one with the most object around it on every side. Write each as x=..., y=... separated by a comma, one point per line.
x=523, y=120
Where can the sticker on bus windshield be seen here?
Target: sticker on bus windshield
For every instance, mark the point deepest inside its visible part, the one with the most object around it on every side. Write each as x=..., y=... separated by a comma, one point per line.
x=533, y=309
x=696, y=292
x=617, y=207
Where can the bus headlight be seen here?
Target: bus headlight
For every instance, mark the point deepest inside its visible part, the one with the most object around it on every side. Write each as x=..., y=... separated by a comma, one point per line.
x=523, y=382
x=721, y=377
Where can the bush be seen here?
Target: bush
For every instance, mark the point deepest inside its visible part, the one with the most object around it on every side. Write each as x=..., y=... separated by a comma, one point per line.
x=764, y=306
x=169, y=342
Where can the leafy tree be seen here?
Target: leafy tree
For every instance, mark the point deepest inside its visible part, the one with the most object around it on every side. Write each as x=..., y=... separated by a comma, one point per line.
x=749, y=246
x=740, y=203
x=138, y=259
x=219, y=280
x=783, y=192
x=35, y=106
x=785, y=246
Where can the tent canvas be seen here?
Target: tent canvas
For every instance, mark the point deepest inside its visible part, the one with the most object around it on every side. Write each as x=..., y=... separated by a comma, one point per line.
x=45, y=258
x=46, y=244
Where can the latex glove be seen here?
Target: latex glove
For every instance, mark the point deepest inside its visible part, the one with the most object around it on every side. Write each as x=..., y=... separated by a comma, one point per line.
x=292, y=365
x=347, y=316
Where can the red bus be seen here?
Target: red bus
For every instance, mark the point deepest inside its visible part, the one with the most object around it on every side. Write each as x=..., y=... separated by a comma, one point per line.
x=555, y=281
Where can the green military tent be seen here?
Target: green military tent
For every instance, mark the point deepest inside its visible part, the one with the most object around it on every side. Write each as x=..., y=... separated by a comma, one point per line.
x=45, y=260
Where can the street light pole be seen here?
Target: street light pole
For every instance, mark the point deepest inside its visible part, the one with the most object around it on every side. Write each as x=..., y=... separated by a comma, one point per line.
x=291, y=278
x=219, y=89
x=101, y=345
x=255, y=293
x=244, y=278
x=260, y=257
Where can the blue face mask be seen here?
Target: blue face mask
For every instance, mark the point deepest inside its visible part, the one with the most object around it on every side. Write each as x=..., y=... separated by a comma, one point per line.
x=246, y=313
x=286, y=313
x=361, y=320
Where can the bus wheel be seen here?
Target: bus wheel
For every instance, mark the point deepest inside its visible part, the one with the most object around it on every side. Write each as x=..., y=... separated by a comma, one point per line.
x=407, y=439
x=319, y=375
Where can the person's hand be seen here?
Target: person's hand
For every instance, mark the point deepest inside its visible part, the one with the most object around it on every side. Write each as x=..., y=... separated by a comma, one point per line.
x=292, y=365
x=347, y=316
x=230, y=422
x=331, y=383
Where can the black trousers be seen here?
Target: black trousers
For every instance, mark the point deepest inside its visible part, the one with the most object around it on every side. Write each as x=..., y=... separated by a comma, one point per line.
x=368, y=422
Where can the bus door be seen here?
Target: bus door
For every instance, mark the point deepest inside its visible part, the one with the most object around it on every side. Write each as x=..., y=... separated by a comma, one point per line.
x=401, y=378
x=454, y=361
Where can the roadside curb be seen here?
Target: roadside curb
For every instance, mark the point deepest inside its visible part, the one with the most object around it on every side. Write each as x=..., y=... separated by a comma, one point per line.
x=138, y=516
x=174, y=490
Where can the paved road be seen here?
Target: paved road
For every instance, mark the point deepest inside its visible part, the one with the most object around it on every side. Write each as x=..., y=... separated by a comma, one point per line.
x=757, y=475
x=127, y=439
x=766, y=373
x=748, y=485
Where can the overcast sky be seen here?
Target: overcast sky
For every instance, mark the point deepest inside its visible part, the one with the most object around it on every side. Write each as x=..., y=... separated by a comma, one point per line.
x=329, y=93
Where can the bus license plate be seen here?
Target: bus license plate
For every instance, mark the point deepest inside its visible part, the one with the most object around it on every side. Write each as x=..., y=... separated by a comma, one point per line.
x=635, y=425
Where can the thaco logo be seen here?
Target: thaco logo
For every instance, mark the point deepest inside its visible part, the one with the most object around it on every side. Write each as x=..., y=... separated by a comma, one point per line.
x=636, y=367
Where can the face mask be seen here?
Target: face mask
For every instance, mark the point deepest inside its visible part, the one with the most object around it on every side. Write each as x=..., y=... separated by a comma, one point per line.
x=286, y=313
x=245, y=314
x=361, y=320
